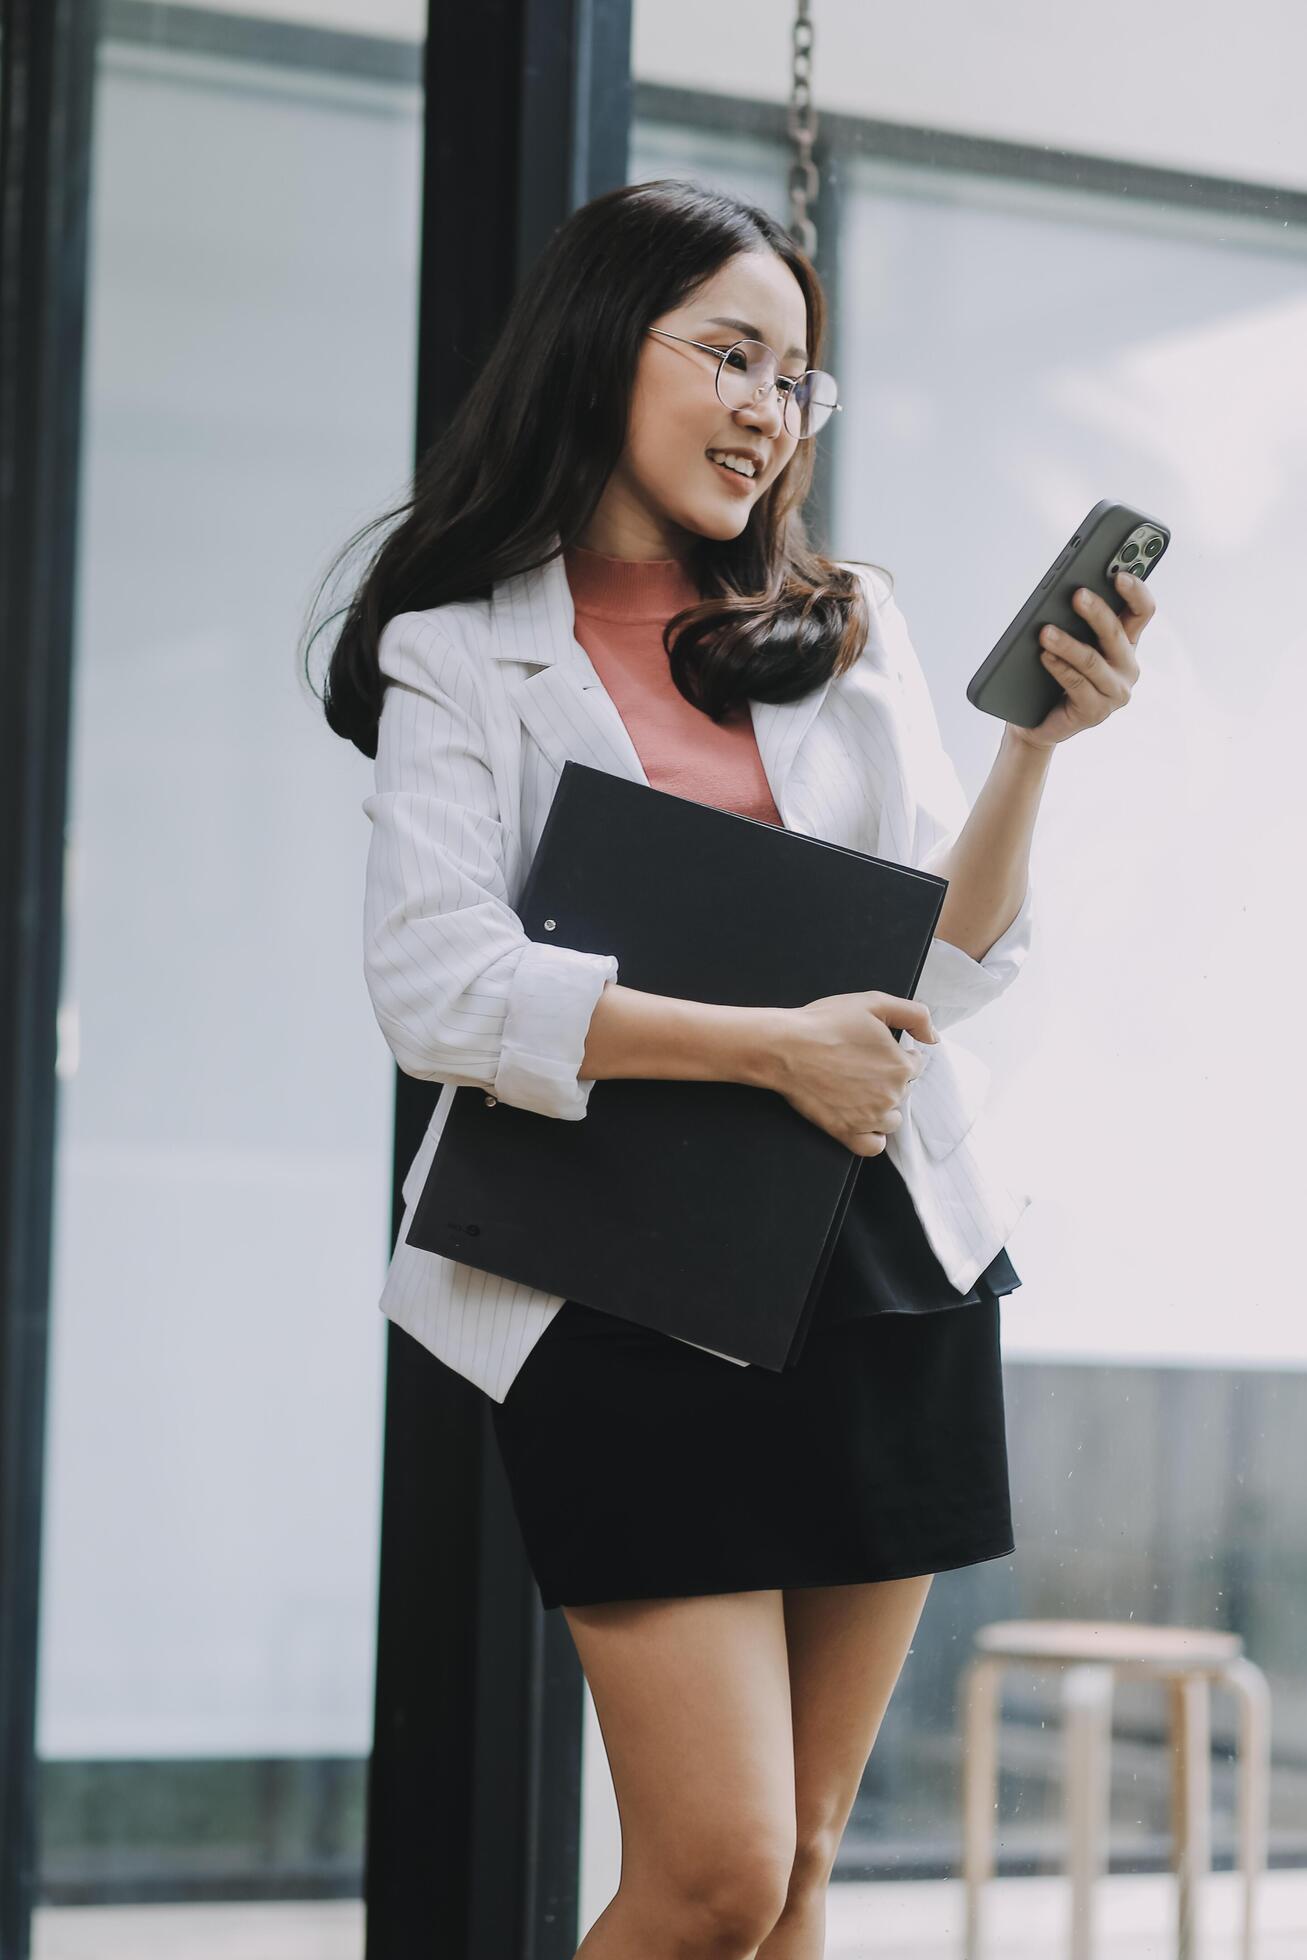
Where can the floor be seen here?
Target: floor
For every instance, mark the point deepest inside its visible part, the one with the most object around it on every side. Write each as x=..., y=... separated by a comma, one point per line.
x=912, y=1920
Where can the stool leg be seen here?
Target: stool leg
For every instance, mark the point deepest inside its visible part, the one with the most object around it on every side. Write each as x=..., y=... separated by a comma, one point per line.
x=1248, y=1684
x=981, y=1679
x=1191, y=1802
x=1087, y=1727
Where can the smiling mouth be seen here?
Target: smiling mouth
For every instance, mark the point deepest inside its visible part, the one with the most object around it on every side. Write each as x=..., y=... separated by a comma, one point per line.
x=736, y=476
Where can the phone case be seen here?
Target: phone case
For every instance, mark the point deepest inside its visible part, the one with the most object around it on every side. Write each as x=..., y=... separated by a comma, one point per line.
x=1012, y=682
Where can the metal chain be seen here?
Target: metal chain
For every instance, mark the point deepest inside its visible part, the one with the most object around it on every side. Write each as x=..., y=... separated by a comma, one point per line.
x=804, y=182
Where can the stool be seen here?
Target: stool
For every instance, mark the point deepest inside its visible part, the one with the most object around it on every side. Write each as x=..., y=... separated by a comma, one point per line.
x=1091, y=1653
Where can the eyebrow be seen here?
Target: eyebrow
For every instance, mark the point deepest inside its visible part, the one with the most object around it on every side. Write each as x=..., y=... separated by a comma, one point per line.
x=752, y=333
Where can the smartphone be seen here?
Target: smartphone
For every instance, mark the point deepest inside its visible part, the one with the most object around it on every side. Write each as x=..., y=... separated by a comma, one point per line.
x=1012, y=682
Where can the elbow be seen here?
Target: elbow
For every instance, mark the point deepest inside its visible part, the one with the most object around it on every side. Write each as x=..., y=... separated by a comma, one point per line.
x=516, y=1030
x=424, y=1056
x=957, y=982
x=433, y=1037
x=978, y=939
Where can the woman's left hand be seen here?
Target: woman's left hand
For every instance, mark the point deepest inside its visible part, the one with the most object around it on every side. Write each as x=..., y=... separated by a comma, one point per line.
x=1097, y=683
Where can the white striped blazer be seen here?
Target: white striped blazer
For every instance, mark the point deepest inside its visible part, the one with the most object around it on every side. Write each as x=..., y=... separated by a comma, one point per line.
x=485, y=701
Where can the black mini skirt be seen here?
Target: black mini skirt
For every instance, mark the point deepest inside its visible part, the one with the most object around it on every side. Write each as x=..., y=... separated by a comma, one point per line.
x=643, y=1468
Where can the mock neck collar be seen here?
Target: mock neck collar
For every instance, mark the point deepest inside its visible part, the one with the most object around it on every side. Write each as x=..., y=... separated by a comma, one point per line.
x=627, y=588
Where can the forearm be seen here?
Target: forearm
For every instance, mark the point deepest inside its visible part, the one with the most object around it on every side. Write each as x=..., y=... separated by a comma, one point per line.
x=636, y=1034
x=656, y=1035
x=988, y=864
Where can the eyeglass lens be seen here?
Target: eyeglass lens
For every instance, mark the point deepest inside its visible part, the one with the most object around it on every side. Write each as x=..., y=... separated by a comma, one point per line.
x=748, y=371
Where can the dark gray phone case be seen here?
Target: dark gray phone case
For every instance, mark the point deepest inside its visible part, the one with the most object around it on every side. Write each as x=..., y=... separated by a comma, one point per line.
x=1012, y=682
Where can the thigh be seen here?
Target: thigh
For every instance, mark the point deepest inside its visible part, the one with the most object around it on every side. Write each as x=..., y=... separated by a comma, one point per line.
x=847, y=1646
x=693, y=1700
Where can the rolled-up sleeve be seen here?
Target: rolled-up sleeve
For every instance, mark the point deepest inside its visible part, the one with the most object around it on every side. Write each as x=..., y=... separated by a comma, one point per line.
x=459, y=991
x=952, y=984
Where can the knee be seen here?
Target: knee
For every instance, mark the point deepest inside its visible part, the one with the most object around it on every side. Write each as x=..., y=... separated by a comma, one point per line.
x=726, y=1905
x=814, y=1861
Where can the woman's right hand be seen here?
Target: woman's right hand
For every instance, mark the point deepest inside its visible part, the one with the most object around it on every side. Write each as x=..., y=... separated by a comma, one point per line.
x=838, y=1064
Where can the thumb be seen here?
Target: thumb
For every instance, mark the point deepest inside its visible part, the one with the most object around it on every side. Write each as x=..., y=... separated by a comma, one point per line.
x=919, y=1024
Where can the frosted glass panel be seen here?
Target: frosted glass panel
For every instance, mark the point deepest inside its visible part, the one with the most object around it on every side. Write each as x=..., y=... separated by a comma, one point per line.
x=225, y=1098
x=746, y=167
x=1022, y=353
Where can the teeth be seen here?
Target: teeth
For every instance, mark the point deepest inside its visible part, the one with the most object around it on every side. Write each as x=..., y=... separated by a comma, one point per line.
x=740, y=464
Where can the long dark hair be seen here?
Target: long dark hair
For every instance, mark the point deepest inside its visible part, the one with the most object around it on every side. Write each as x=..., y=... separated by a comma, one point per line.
x=525, y=459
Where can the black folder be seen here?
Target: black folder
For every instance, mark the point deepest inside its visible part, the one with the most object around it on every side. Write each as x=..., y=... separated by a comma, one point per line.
x=704, y=1210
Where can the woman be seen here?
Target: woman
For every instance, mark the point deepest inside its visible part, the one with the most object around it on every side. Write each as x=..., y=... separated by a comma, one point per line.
x=604, y=558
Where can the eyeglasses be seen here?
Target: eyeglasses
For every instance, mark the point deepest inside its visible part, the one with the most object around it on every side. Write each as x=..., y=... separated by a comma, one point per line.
x=747, y=373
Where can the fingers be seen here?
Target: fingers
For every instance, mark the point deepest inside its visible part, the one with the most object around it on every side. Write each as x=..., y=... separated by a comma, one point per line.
x=1068, y=661
x=890, y=1122
x=859, y=1140
x=1115, y=637
x=1098, y=682
x=1140, y=601
x=1118, y=647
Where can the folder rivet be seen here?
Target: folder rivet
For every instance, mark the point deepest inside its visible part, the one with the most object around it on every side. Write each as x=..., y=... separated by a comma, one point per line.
x=491, y=1101
x=549, y=925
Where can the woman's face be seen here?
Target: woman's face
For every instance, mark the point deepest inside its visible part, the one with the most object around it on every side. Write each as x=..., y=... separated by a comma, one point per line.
x=666, y=483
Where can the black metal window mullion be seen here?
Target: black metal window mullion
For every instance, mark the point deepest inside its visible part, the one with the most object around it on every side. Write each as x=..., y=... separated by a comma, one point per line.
x=473, y=1830
x=46, y=78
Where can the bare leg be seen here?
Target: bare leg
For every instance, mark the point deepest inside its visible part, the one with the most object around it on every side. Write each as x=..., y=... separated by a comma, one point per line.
x=693, y=1701
x=847, y=1646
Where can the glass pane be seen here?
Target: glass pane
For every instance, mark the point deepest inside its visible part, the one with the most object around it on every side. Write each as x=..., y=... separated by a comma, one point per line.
x=223, y=1176
x=747, y=166
x=989, y=445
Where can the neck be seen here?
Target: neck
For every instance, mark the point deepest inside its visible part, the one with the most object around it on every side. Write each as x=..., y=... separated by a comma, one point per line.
x=608, y=587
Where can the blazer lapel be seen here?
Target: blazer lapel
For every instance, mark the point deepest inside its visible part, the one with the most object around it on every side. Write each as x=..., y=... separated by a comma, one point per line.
x=568, y=711
x=779, y=727
x=558, y=695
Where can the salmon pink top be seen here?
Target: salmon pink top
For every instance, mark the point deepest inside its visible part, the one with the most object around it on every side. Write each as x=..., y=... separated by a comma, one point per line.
x=622, y=605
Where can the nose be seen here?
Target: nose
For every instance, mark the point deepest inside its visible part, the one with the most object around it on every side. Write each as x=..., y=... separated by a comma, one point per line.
x=767, y=415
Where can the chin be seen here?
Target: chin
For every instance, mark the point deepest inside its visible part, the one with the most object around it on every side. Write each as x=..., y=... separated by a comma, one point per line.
x=721, y=523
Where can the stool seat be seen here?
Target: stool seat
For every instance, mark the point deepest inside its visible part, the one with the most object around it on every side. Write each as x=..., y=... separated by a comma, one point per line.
x=1118, y=1643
